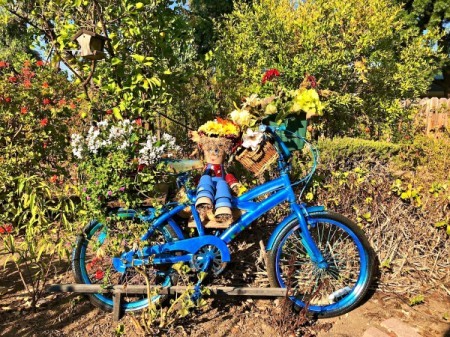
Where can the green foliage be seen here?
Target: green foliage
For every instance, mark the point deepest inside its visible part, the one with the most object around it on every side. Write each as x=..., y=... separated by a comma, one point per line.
x=36, y=104
x=148, y=54
x=159, y=316
x=43, y=216
x=118, y=161
x=365, y=56
x=348, y=153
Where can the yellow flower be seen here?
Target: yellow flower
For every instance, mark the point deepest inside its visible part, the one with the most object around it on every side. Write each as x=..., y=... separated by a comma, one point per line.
x=270, y=109
x=219, y=128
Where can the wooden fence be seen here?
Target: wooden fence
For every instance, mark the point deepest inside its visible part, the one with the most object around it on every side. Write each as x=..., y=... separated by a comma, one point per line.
x=435, y=113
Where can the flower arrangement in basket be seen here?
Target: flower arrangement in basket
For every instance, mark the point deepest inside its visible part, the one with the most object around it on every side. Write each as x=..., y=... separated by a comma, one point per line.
x=119, y=161
x=277, y=103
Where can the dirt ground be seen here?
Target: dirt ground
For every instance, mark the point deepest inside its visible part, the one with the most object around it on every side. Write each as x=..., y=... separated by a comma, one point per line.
x=73, y=315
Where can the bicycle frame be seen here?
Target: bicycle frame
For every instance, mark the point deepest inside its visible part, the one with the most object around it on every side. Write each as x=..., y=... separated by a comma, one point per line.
x=280, y=191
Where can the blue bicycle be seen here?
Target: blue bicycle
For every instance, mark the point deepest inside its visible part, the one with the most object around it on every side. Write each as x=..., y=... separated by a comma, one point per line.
x=323, y=258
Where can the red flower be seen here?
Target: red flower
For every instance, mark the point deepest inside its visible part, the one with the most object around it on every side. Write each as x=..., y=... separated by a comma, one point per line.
x=44, y=121
x=53, y=179
x=270, y=74
x=6, y=228
x=62, y=102
x=4, y=64
x=99, y=274
x=45, y=85
x=12, y=79
x=40, y=63
x=27, y=83
x=23, y=110
x=312, y=81
x=109, y=111
x=46, y=101
x=44, y=145
x=139, y=122
x=8, y=99
x=72, y=105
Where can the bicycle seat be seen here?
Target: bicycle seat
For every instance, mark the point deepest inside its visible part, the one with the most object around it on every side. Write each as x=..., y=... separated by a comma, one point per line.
x=184, y=165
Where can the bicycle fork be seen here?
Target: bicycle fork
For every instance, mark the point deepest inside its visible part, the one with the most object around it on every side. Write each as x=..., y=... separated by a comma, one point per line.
x=307, y=240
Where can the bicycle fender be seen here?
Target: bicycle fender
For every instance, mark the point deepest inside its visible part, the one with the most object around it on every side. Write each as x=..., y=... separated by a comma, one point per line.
x=291, y=217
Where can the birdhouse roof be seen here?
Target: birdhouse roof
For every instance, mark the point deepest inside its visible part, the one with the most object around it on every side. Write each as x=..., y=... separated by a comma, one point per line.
x=88, y=32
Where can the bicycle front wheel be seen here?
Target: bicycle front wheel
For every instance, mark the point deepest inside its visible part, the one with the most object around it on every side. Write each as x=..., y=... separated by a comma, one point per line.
x=92, y=262
x=329, y=291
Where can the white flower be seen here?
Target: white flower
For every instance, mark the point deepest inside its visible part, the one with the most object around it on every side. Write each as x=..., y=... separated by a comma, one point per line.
x=103, y=124
x=252, y=100
x=251, y=139
x=241, y=117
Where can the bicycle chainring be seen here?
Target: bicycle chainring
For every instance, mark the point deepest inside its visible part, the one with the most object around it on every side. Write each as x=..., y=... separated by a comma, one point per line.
x=200, y=258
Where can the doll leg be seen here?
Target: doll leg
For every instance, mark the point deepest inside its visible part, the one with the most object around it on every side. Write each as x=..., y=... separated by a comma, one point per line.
x=205, y=193
x=222, y=201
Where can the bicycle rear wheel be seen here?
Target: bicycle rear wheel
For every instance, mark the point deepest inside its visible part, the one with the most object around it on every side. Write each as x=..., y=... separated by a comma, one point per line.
x=92, y=261
x=330, y=291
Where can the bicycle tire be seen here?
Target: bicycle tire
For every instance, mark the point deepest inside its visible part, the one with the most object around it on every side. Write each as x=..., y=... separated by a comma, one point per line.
x=95, y=233
x=348, y=254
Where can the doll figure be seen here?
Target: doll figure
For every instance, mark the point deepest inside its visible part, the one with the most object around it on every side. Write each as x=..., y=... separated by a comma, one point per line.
x=213, y=191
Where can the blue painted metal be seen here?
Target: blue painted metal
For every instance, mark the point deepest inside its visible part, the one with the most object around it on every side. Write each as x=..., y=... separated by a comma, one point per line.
x=362, y=277
x=198, y=221
x=162, y=219
x=191, y=246
x=287, y=220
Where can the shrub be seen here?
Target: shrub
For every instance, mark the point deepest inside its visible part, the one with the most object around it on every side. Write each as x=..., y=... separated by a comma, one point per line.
x=398, y=193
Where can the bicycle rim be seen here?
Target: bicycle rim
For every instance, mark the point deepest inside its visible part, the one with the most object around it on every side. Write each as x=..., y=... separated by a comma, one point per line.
x=324, y=290
x=96, y=267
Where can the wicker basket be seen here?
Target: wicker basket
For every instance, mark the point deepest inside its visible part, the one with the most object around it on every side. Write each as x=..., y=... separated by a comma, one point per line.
x=258, y=161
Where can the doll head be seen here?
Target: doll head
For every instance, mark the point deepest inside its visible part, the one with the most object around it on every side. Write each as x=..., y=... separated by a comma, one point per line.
x=215, y=149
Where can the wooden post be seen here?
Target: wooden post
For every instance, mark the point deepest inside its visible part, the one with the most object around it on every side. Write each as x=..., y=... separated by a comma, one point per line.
x=117, y=301
x=142, y=289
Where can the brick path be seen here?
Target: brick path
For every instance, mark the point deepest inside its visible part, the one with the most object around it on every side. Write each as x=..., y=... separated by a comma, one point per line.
x=392, y=327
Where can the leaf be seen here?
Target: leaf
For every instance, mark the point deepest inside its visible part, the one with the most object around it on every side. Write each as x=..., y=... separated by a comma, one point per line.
x=115, y=61
x=117, y=114
x=440, y=224
x=139, y=58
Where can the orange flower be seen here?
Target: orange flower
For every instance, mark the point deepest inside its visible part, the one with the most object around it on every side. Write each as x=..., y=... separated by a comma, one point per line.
x=27, y=83
x=72, y=105
x=23, y=110
x=45, y=85
x=44, y=121
x=53, y=179
x=3, y=64
x=62, y=102
x=26, y=63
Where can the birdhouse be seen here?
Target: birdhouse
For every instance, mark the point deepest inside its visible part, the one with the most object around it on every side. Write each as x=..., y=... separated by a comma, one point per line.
x=91, y=44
